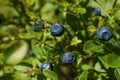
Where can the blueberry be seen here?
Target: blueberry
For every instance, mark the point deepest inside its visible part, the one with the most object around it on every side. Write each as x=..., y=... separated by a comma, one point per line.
x=97, y=11
x=41, y=24
x=68, y=57
x=57, y=29
x=46, y=65
x=104, y=33
x=31, y=52
x=34, y=28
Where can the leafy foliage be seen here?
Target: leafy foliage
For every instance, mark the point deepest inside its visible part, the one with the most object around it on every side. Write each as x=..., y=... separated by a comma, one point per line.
x=95, y=59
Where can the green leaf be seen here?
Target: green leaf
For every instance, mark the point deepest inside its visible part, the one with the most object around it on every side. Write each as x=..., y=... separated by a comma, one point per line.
x=8, y=69
x=83, y=76
x=1, y=73
x=6, y=2
x=33, y=3
x=48, y=7
x=77, y=10
x=26, y=36
x=32, y=15
x=98, y=67
x=8, y=11
x=48, y=11
x=110, y=60
x=33, y=61
x=91, y=30
x=82, y=10
x=22, y=68
x=78, y=1
x=113, y=42
x=79, y=60
x=21, y=76
x=91, y=46
x=50, y=74
x=38, y=50
x=30, y=2
x=117, y=73
x=106, y=4
x=75, y=41
x=16, y=53
x=117, y=12
x=86, y=67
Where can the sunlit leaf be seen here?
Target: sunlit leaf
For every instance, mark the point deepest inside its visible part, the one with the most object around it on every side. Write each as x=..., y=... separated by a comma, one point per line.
x=110, y=60
x=50, y=74
x=83, y=76
x=91, y=46
x=18, y=54
x=117, y=73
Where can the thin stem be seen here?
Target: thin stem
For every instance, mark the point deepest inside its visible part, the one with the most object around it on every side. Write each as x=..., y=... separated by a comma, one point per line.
x=70, y=13
x=106, y=14
x=115, y=3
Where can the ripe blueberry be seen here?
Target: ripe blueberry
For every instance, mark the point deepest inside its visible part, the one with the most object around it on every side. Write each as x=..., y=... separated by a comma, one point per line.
x=31, y=52
x=57, y=29
x=97, y=11
x=41, y=24
x=46, y=65
x=68, y=57
x=104, y=33
x=34, y=28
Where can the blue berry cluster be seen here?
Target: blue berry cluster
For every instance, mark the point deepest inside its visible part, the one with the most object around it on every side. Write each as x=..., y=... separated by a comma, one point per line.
x=57, y=29
x=40, y=25
x=104, y=33
x=67, y=58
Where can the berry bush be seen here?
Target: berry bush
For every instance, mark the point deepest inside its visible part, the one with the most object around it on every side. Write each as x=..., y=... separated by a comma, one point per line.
x=60, y=40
